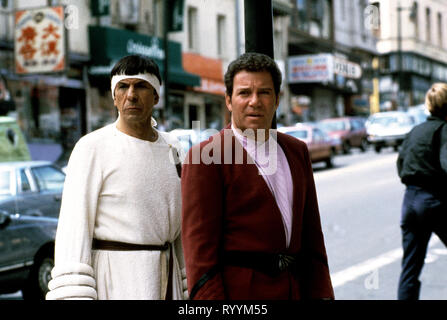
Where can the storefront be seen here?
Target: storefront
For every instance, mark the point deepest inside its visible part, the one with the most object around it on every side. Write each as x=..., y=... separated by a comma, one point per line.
x=107, y=46
x=206, y=102
x=322, y=86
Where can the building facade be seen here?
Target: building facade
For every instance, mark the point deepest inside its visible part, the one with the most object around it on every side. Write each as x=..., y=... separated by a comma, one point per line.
x=331, y=53
x=413, y=50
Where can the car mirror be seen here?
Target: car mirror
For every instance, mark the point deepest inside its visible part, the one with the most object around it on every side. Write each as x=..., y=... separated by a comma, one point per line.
x=5, y=218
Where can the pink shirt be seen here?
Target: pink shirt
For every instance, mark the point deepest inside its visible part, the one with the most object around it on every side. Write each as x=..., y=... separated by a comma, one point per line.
x=274, y=168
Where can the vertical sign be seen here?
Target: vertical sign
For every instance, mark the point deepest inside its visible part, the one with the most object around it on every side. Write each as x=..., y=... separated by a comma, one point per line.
x=100, y=8
x=39, y=43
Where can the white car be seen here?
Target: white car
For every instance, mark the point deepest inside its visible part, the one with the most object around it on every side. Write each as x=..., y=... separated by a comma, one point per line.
x=388, y=129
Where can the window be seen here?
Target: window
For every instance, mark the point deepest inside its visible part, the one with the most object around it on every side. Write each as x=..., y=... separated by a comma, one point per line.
x=49, y=178
x=414, y=17
x=24, y=183
x=440, y=29
x=221, y=35
x=427, y=25
x=193, y=34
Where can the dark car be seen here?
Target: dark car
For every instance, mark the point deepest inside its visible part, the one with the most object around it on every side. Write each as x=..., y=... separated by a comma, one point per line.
x=31, y=188
x=26, y=254
x=350, y=130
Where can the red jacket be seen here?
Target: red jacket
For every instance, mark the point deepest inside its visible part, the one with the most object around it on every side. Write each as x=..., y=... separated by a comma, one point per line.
x=230, y=207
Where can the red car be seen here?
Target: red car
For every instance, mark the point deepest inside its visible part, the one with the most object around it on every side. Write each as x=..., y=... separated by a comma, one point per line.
x=318, y=143
x=350, y=131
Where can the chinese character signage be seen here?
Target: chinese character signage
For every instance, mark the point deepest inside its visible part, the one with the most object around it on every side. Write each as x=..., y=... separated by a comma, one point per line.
x=40, y=40
x=311, y=68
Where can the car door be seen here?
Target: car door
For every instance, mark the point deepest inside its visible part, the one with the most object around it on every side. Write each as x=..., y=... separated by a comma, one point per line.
x=16, y=248
x=7, y=190
x=50, y=182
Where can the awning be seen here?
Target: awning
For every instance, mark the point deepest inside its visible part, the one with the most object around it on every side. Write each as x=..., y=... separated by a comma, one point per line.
x=209, y=70
x=108, y=45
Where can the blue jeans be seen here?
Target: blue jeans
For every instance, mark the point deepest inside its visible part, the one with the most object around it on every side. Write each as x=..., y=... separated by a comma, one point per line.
x=422, y=213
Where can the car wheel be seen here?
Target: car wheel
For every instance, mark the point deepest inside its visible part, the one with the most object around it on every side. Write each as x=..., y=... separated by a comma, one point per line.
x=364, y=145
x=40, y=275
x=329, y=163
x=377, y=149
x=346, y=147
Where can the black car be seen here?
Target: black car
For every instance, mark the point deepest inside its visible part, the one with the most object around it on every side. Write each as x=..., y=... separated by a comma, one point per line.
x=26, y=254
x=31, y=188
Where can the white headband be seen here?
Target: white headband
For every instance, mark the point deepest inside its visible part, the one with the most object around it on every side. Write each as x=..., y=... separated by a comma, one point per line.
x=152, y=79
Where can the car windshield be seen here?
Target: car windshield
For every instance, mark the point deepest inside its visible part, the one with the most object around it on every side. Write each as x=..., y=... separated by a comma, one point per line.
x=300, y=134
x=329, y=126
x=5, y=187
x=392, y=121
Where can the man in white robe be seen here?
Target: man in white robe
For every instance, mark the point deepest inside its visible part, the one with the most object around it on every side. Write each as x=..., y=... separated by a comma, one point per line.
x=118, y=235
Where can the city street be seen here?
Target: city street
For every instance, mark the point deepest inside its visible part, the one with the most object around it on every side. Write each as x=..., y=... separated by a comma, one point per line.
x=360, y=201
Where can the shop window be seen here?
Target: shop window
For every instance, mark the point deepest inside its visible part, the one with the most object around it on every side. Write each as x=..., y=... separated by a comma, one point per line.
x=175, y=112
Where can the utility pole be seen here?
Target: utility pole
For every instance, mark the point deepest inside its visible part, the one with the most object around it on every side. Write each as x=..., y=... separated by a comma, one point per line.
x=258, y=16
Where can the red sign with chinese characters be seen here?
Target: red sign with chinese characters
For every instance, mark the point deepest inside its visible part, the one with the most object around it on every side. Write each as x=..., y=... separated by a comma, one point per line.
x=40, y=40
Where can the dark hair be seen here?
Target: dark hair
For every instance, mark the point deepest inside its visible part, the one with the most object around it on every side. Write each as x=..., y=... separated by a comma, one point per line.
x=135, y=64
x=253, y=62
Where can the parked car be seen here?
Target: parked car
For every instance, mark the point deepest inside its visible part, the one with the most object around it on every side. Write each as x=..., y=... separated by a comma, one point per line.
x=26, y=254
x=318, y=143
x=31, y=188
x=13, y=145
x=350, y=131
x=388, y=129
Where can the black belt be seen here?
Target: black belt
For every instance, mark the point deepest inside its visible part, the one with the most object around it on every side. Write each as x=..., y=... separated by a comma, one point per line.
x=269, y=263
x=123, y=246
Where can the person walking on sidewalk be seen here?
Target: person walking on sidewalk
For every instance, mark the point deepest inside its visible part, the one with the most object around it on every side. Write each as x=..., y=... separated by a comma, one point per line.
x=118, y=235
x=422, y=167
x=251, y=229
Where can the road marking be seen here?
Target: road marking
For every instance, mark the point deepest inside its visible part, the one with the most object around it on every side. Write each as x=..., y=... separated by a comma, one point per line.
x=353, y=168
x=366, y=267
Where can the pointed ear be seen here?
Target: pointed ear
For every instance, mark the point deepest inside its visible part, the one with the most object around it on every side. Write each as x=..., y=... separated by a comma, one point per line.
x=228, y=102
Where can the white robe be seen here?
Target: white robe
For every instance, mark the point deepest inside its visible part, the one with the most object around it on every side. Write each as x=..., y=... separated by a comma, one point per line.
x=119, y=188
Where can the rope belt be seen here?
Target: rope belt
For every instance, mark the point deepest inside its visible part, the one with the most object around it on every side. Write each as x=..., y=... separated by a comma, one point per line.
x=123, y=246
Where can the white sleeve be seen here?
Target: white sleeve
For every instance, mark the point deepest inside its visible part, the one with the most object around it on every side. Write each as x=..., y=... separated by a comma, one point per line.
x=73, y=276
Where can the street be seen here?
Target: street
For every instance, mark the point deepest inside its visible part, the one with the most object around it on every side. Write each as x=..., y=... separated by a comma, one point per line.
x=360, y=200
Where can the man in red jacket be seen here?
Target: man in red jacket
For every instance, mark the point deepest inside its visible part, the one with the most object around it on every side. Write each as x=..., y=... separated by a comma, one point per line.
x=251, y=226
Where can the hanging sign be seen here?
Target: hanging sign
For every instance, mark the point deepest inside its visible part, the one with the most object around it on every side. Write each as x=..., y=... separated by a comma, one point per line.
x=39, y=44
